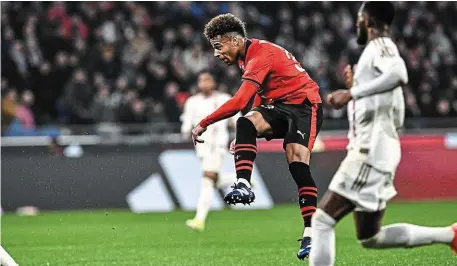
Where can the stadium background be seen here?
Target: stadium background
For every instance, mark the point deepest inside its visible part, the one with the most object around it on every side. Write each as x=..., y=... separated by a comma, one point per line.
x=92, y=93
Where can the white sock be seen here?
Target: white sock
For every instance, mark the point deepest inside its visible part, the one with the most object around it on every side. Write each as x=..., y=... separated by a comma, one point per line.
x=205, y=199
x=408, y=235
x=323, y=240
x=307, y=232
x=244, y=181
x=224, y=181
x=6, y=259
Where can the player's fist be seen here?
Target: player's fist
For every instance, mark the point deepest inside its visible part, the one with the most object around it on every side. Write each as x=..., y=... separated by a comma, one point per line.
x=339, y=98
x=196, y=133
x=232, y=147
x=348, y=76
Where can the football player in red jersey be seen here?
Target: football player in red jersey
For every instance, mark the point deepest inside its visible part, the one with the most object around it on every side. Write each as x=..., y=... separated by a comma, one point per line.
x=287, y=106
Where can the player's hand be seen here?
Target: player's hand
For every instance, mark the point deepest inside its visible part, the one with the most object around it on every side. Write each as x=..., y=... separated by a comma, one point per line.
x=232, y=147
x=348, y=76
x=196, y=133
x=339, y=98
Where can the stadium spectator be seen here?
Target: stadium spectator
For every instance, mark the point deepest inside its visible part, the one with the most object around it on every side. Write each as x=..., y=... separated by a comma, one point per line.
x=9, y=107
x=158, y=43
x=77, y=99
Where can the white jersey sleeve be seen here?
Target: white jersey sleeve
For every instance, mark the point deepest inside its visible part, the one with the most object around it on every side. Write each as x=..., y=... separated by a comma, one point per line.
x=392, y=68
x=187, y=117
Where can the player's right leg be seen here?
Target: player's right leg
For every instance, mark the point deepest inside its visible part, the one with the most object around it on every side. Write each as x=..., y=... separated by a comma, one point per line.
x=304, y=123
x=204, y=200
x=211, y=164
x=332, y=208
x=247, y=130
x=401, y=235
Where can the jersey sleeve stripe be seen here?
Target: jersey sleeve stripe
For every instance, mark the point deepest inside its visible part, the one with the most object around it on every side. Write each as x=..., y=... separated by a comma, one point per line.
x=251, y=81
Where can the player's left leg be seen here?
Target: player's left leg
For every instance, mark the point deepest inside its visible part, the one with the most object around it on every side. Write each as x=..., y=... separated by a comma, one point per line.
x=298, y=158
x=248, y=128
x=305, y=123
x=401, y=235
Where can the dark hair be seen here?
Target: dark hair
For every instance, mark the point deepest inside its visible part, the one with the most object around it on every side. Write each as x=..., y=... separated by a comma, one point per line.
x=383, y=12
x=209, y=72
x=223, y=24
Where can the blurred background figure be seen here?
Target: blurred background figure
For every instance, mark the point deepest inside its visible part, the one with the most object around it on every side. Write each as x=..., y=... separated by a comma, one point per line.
x=212, y=152
x=158, y=48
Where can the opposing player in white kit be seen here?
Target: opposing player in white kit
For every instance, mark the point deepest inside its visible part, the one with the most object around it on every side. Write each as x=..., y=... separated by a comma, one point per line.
x=212, y=152
x=364, y=182
x=6, y=259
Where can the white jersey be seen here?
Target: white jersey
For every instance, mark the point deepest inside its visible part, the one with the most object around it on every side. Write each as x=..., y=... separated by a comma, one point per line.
x=198, y=107
x=374, y=119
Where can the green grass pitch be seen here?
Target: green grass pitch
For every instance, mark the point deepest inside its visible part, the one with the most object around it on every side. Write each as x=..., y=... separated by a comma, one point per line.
x=266, y=237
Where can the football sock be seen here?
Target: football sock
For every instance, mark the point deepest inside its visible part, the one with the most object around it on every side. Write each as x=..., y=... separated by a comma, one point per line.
x=307, y=192
x=6, y=259
x=224, y=181
x=323, y=235
x=205, y=199
x=408, y=235
x=245, y=149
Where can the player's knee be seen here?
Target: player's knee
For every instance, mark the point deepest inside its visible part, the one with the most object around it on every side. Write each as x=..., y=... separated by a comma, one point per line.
x=322, y=221
x=210, y=175
x=256, y=118
x=297, y=153
x=245, y=125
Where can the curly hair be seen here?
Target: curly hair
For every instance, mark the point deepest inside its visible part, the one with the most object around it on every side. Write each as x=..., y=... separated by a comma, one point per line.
x=382, y=12
x=223, y=24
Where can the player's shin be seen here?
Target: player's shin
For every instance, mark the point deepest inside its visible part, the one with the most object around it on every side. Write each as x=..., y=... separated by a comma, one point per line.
x=408, y=235
x=205, y=198
x=323, y=235
x=307, y=193
x=245, y=149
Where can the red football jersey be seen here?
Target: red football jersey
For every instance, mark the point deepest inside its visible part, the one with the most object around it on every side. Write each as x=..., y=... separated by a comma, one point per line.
x=279, y=75
x=273, y=75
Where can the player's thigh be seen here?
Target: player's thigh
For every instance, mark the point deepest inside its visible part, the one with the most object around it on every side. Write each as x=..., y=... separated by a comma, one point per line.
x=257, y=119
x=211, y=163
x=335, y=205
x=367, y=224
x=305, y=121
x=268, y=121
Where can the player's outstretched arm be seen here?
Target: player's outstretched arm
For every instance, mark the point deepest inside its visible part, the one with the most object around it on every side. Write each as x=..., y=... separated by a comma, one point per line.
x=228, y=109
x=394, y=74
x=232, y=106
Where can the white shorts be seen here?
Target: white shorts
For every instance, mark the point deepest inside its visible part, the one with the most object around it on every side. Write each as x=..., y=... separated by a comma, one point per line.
x=367, y=187
x=213, y=162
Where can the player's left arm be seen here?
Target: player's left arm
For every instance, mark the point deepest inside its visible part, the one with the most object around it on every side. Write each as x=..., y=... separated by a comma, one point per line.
x=232, y=120
x=232, y=106
x=256, y=71
x=393, y=74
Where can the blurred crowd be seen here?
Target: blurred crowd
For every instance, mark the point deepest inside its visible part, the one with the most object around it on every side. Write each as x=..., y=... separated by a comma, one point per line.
x=136, y=62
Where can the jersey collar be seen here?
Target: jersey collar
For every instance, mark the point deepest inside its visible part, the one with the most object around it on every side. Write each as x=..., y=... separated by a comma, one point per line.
x=246, y=47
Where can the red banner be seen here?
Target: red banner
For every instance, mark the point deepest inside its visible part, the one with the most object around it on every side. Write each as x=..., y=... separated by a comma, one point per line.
x=428, y=168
